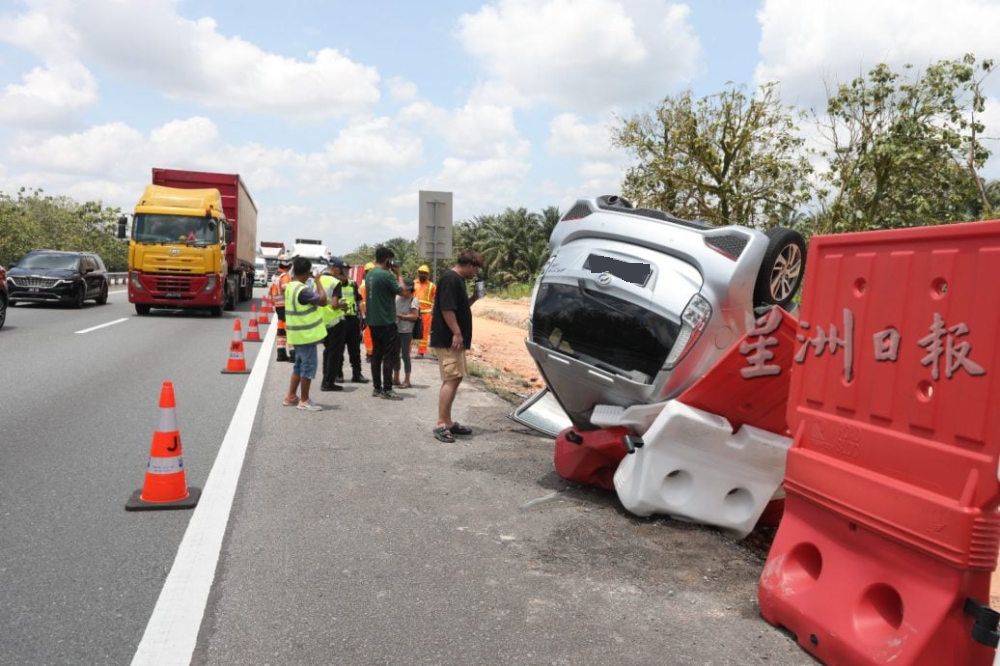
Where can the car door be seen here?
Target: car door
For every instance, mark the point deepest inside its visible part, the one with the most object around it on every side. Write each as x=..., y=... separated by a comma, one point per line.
x=90, y=276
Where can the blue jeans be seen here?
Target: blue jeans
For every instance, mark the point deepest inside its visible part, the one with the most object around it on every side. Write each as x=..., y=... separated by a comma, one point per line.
x=305, y=361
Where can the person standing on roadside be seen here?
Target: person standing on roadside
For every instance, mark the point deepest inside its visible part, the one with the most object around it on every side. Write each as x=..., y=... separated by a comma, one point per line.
x=451, y=337
x=382, y=284
x=304, y=323
x=349, y=296
x=424, y=290
x=278, y=284
x=407, y=313
x=366, y=332
x=333, y=319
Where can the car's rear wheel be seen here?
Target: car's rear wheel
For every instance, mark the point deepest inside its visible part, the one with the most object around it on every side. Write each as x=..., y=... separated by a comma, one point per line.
x=142, y=309
x=103, y=298
x=781, y=273
x=3, y=309
x=79, y=295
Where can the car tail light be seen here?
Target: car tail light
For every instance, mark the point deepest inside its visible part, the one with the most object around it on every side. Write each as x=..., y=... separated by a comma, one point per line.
x=694, y=319
x=577, y=212
x=210, y=285
x=133, y=278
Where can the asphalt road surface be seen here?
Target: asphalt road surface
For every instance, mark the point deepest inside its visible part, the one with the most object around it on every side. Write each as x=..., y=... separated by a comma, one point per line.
x=354, y=538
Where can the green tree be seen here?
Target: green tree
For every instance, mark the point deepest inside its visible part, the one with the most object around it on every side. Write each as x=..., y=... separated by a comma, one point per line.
x=904, y=149
x=726, y=158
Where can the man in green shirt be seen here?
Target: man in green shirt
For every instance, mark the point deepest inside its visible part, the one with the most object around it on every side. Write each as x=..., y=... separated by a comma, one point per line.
x=382, y=283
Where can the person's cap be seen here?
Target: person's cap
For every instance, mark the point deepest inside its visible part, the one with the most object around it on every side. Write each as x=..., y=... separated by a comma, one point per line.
x=423, y=269
x=337, y=262
x=370, y=265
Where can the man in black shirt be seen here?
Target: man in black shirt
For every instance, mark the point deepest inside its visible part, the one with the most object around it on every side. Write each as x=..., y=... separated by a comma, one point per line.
x=451, y=336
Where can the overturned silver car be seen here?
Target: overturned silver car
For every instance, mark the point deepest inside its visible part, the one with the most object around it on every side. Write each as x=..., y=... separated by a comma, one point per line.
x=635, y=305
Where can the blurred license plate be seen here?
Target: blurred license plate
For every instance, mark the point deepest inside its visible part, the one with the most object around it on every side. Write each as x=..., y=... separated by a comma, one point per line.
x=32, y=288
x=171, y=295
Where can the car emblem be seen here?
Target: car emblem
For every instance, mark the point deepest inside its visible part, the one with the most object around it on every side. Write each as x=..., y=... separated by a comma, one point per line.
x=604, y=279
x=174, y=252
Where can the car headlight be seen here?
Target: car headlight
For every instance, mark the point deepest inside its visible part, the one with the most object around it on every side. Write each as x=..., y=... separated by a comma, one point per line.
x=694, y=319
x=210, y=285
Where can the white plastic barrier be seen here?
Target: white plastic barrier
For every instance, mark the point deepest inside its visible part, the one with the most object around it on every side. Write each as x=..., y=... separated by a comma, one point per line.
x=637, y=417
x=693, y=467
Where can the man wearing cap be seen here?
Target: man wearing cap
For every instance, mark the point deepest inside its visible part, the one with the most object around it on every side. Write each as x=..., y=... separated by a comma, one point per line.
x=333, y=319
x=424, y=290
x=278, y=284
x=352, y=322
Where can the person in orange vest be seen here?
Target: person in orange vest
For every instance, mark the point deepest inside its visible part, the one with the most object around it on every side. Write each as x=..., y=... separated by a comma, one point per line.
x=367, y=337
x=424, y=290
x=278, y=284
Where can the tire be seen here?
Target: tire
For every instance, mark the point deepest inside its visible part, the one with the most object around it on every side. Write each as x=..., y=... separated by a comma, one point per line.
x=79, y=296
x=3, y=309
x=782, y=270
x=229, y=300
x=142, y=309
x=102, y=299
x=215, y=311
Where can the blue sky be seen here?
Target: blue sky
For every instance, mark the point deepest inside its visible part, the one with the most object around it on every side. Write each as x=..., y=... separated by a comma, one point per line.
x=337, y=113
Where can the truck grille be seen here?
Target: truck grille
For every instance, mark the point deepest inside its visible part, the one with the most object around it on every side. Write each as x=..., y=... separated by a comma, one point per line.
x=171, y=283
x=39, y=282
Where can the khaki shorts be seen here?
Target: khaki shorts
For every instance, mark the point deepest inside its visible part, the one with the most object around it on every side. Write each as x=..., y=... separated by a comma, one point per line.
x=451, y=362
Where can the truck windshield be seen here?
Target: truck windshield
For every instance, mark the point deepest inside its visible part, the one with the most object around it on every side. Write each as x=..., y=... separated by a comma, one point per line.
x=187, y=229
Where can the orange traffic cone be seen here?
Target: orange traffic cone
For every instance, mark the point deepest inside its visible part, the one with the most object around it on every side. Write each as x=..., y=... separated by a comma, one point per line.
x=165, y=486
x=268, y=304
x=237, y=364
x=253, y=333
x=265, y=310
x=282, y=352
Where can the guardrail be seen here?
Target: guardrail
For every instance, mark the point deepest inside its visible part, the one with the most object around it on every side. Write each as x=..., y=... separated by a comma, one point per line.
x=118, y=278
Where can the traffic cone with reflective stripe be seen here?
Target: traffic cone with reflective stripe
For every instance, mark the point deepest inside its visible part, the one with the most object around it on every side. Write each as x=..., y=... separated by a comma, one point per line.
x=282, y=352
x=253, y=333
x=237, y=364
x=165, y=486
x=265, y=309
x=268, y=304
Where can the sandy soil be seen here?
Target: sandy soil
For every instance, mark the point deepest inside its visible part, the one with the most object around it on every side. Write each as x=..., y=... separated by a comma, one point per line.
x=498, y=333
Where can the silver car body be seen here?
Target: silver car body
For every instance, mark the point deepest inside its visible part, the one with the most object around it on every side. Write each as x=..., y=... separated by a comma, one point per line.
x=587, y=361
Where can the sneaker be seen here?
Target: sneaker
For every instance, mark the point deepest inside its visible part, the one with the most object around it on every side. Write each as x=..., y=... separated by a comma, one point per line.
x=332, y=387
x=359, y=379
x=376, y=393
x=391, y=395
x=309, y=406
x=290, y=403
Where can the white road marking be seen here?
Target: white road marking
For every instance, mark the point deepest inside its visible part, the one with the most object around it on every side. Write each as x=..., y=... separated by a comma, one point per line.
x=172, y=633
x=94, y=328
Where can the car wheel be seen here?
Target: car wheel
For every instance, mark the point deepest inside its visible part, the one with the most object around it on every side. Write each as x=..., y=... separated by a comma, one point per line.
x=103, y=298
x=142, y=309
x=781, y=273
x=79, y=296
x=3, y=310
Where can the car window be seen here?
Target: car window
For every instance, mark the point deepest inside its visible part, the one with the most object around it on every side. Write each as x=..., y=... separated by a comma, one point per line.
x=99, y=263
x=88, y=264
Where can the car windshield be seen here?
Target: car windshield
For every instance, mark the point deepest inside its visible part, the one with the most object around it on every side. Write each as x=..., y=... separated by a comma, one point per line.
x=50, y=261
x=603, y=330
x=188, y=229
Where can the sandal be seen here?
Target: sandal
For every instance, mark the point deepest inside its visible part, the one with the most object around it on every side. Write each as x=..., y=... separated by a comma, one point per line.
x=457, y=429
x=443, y=435
x=405, y=385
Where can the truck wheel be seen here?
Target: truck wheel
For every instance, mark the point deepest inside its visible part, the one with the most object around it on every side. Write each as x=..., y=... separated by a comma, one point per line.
x=142, y=309
x=782, y=270
x=215, y=311
x=229, y=299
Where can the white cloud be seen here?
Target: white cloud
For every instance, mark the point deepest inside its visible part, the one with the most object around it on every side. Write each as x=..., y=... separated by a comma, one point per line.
x=584, y=53
x=47, y=96
x=401, y=89
x=569, y=136
x=146, y=41
x=804, y=43
x=378, y=143
x=102, y=149
x=479, y=185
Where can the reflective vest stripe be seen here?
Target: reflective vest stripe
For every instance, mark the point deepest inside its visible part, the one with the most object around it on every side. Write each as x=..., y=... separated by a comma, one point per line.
x=331, y=316
x=303, y=324
x=347, y=295
x=425, y=295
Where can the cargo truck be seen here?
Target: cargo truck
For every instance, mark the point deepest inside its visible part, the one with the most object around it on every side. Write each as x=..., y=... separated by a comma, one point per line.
x=192, y=242
x=271, y=250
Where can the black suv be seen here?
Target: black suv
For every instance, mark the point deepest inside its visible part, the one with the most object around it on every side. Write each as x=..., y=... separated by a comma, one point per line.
x=3, y=296
x=51, y=275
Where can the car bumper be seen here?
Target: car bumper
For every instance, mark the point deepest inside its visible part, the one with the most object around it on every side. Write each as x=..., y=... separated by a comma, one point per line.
x=42, y=294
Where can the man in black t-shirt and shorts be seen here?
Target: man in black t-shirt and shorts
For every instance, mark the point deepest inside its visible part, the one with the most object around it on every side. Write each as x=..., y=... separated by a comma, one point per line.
x=451, y=336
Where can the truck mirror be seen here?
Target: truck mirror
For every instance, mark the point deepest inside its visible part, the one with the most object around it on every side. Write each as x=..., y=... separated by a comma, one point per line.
x=122, y=223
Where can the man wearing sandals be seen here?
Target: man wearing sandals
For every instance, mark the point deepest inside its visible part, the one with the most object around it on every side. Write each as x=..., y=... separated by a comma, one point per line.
x=451, y=336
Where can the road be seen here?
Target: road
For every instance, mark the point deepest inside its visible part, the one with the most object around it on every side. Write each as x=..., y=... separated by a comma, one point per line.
x=354, y=537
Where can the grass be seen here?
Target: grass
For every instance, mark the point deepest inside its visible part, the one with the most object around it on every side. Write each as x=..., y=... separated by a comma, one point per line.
x=512, y=291
x=496, y=381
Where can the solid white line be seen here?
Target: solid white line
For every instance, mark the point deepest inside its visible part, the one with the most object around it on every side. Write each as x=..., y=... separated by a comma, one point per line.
x=172, y=633
x=94, y=328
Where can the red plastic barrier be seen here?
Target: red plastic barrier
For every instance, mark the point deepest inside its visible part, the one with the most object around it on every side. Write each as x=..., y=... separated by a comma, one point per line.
x=593, y=458
x=749, y=385
x=891, y=520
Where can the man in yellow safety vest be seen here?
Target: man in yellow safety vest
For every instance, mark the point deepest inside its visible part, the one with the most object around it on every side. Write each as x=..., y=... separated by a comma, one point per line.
x=278, y=284
x=305, y=330
x=424, y=290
